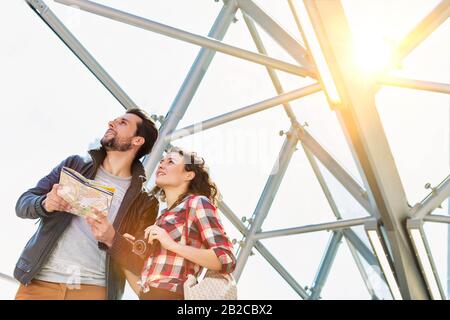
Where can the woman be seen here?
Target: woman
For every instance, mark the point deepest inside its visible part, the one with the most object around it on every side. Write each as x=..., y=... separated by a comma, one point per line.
x=183, y=182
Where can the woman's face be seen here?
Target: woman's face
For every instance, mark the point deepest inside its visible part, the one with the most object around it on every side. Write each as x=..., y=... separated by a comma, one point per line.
x=171, y=172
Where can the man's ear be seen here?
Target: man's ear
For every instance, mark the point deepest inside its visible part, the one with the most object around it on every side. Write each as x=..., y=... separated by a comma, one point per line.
x=138, y=141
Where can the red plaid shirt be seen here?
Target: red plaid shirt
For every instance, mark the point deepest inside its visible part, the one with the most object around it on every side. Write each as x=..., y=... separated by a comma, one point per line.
x=167, y=270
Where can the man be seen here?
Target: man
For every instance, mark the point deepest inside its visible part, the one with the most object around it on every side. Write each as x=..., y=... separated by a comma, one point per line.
x=70, y=257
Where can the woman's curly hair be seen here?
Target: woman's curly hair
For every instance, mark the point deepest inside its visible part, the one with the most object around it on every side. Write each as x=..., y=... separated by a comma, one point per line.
x=201, y=184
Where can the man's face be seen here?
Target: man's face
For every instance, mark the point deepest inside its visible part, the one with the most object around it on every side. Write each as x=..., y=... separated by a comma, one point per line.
x=121, y=133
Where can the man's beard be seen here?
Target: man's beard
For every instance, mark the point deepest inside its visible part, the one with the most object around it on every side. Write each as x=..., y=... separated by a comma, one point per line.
x=113, y=144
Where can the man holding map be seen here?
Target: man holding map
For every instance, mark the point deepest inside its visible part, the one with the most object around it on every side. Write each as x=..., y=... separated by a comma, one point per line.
x=74, y=253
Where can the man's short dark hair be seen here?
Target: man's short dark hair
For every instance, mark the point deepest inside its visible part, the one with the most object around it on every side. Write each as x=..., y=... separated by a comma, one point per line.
x=146, y=129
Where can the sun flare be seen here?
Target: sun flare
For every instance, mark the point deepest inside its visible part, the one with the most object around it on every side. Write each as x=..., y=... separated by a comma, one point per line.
x=373, y=52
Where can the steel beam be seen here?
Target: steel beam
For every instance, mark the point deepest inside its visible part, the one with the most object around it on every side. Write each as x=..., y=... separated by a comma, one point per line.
x=263, y=251
x=327, y=226
x=329, y=162
x=359, y=246
x=325, y=265
x=433, y=200
x=243, y=112
x=363, y=250
x=278, y=33
x=422, y=30
x=189, y=86
x=52, y=21
x=272, y=74
x=266, y=199
x=351, y=237
x=281, y=270
x=323, y=184
x=437, y=218
x=362, y=270
x=291, y=115
x=415, y=84
x=205, y=42
x=360, y=120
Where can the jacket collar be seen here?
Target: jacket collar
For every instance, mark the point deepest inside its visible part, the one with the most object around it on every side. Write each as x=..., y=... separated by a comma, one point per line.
x=137, y=169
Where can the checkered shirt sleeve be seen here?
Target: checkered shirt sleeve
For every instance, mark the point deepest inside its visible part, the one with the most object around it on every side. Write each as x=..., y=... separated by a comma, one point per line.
x=212, y=232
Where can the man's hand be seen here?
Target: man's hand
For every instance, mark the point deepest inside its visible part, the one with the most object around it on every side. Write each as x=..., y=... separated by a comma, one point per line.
x=131, y=239
x=101, y=228
x=53, y=202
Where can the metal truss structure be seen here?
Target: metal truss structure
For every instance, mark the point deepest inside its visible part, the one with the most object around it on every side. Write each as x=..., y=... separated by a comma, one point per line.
x=399, y=245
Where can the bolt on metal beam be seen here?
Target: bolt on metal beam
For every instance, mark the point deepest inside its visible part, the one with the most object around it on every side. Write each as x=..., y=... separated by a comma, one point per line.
x=433, y=200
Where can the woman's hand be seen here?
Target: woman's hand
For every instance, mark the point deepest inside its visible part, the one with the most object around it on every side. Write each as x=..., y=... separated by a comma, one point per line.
x=204, y=257
x=156, y=233
x=102, y=229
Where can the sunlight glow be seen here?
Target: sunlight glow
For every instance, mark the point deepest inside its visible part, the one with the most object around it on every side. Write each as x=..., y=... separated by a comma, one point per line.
x=373, y=52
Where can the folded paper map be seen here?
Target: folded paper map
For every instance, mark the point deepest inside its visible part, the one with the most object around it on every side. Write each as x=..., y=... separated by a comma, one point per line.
x=84, y=194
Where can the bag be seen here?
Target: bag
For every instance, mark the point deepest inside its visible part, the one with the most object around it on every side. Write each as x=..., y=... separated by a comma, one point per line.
x=214, y=285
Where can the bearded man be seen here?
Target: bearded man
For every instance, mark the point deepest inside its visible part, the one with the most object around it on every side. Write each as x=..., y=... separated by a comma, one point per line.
x=72, y=257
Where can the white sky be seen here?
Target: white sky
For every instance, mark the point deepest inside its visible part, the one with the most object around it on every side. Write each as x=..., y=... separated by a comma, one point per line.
x=54, y=107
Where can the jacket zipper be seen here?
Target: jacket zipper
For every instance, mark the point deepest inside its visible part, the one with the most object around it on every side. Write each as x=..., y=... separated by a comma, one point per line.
x=108, y=256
